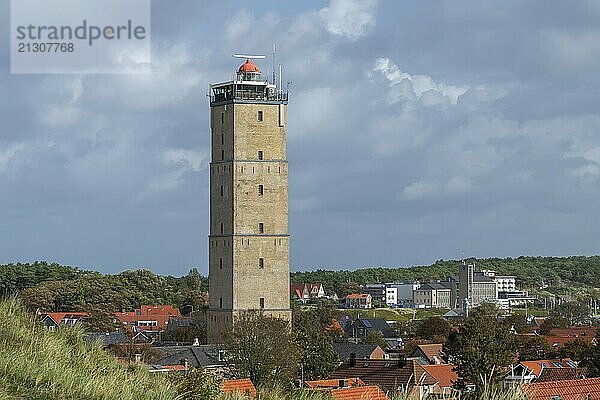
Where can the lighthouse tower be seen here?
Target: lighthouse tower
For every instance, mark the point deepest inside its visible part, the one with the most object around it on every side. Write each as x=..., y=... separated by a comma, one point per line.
x=249, y=243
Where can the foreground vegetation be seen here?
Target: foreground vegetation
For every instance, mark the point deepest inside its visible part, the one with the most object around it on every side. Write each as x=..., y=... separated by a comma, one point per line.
x=37, y=364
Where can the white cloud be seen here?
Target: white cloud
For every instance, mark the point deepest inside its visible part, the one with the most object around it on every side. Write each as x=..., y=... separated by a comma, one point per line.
x=350, y=18
x=185, y=158
x=420, y=84
x=429, y=189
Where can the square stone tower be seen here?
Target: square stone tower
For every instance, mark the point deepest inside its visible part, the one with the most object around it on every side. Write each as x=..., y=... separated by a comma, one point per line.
x=249, y=243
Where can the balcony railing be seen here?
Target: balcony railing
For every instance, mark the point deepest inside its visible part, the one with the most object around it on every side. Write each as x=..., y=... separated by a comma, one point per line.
x=232, y=93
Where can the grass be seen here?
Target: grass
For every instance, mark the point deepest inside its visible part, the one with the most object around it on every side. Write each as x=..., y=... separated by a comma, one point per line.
x=38, y=364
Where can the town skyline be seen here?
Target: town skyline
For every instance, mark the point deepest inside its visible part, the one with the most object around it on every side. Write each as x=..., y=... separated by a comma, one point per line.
x=410, y=140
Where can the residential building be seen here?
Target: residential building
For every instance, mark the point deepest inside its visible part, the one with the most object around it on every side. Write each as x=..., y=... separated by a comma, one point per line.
x=147, y=319
x=55, y=320
x=249, y=242
x=358, y=393
x=244, y=387
x=574, y=389
x=305, y=292
x=209, y=357
x=358, y=300
x=106, y=339
x=391, y=296
x=444, y=378
x=506, y=283
x=328, y=384
x=529, y=371
x=360, y=351
x=392, y=376
x=428, y=354
x=362, y=326
x=432, y=295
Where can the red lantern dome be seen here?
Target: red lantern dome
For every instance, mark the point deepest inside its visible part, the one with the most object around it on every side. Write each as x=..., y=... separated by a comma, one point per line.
x=249, y=66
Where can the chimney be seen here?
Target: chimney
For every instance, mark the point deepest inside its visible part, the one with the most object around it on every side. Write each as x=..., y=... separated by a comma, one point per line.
x=353, y=359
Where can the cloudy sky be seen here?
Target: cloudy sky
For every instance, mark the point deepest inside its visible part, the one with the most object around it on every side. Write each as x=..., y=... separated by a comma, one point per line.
x=416, y=131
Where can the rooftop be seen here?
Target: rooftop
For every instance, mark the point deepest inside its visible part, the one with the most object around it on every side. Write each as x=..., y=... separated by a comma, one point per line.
x=574, y=389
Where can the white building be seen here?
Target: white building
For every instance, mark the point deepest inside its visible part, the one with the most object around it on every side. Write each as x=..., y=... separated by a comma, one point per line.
x=400, y=293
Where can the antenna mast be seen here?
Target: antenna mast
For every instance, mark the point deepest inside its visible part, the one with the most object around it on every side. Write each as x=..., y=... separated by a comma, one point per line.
x=273, y=64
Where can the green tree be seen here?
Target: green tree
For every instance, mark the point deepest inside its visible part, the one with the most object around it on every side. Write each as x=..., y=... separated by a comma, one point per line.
x=482, y=350
x=263, y=349
x=576, y=349
x=314, y=337
x=433, y=328
x=375, y=337
x=533, y=348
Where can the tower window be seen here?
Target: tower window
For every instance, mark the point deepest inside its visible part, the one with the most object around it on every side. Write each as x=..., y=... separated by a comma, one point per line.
x=222, y=154
x=262, y=302
x=222, y=139
x=221, y=227
x=260, y=155
x=260, y=116
x=261, y=190
x=220, y=302
x=261, y=227
x=261, y=263
x=221, y=190
x=220, y=263
x=222, y=118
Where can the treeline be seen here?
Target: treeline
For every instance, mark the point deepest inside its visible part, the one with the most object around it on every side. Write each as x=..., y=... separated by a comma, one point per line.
x=52, y=287
x=531, y=271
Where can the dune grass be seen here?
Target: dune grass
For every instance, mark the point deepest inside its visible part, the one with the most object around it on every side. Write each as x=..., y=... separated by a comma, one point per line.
x=37, y=364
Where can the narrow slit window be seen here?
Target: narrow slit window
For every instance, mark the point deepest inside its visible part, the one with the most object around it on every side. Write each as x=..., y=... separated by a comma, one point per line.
x=220, y=263
x=220, y=302
x=221, y=227
x=262, y=302
x=260, y=116
x=222, y=139
x=260, y=155
x=261, y=227
x=221, y=190
x=222, y=118
x=222, y=154
x=261, y=190
x=261, y=263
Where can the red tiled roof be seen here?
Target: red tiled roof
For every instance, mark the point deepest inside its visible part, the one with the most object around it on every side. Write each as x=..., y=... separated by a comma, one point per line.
x=357, y=296
x=536, y=366
x=243, y=386
x=575, y=389
x=59, y=316
x=387, y=374
x=332, y=383
x=359, y=393
x=175, y=368
x=160, y=314
x=444, y=374
x=574, y=331
x=556, y=342
x=433, y=352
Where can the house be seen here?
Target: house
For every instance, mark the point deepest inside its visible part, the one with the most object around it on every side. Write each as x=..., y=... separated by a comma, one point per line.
x=305, y=292
x=392, y=377
x=432, y=295
x=360, y=327
x=535, y=370
x=558, y=342
x=55, y=320
x=147, y=319
x=106, y=339
x=358, y=393
x=574, y=389
x=444, y=377
x=358, y=300
x=241, y=386
x=209, y=357
x=359, y=351
x=428, y=354
x=328, y=384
